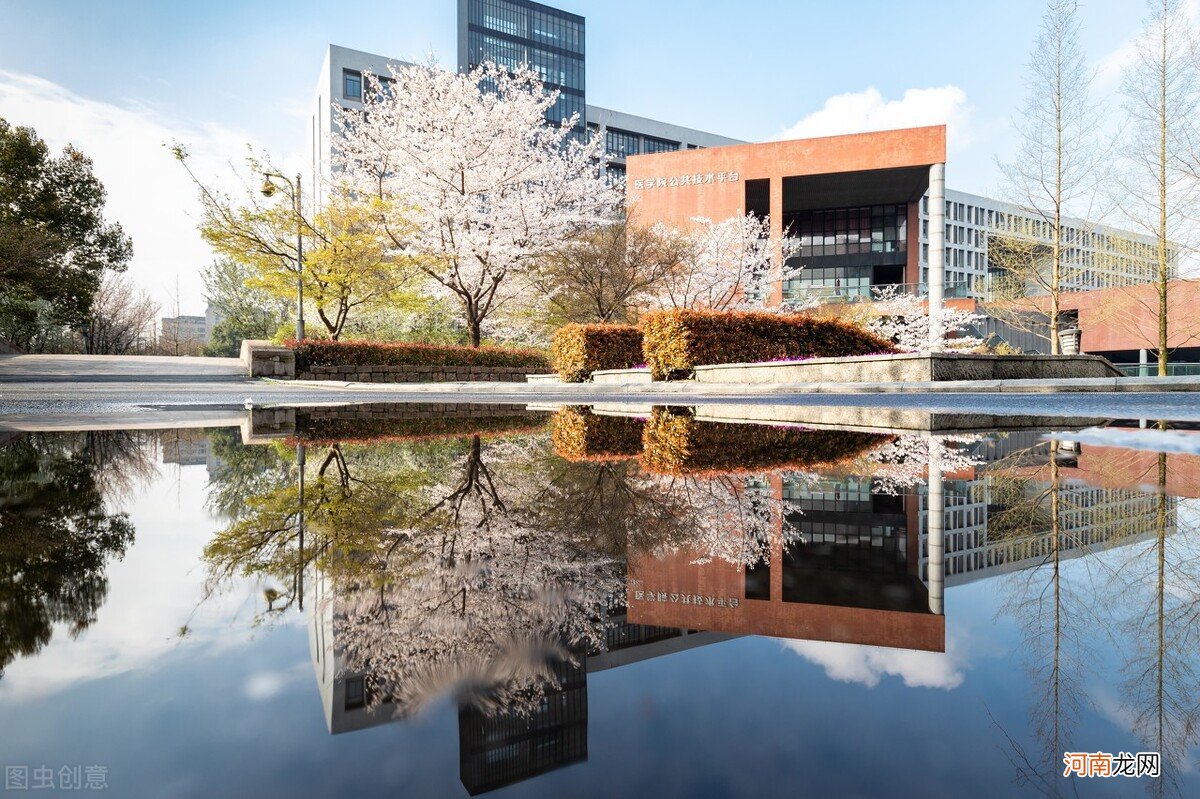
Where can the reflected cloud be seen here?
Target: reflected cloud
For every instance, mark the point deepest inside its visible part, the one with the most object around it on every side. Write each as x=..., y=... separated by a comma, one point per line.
x=869, y=665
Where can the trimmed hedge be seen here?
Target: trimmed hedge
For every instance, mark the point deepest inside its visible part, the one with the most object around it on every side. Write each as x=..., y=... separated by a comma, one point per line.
x=678, y=444
x=324, y=352
x=580, y=435
x=366, y=431
x=678, y=340
x=578, y=350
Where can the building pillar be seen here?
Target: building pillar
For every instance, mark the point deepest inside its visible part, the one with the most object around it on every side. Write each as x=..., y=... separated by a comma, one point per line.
x=935, y=528
x=937, y=254
x=1143, y=363
x=775, y=300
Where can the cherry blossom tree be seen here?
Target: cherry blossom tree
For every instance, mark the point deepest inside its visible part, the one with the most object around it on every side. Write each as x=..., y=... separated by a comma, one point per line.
x=728, y=265
x=476, y=187
x=904, y=319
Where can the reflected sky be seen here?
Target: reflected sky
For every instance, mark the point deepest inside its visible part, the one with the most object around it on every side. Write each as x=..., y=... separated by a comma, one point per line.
x=588, y=602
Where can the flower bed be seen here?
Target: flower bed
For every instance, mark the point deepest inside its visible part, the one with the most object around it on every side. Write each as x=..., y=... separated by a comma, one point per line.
x=675, y=443
x=580, y=435
x=676, y=341
x=579, y=350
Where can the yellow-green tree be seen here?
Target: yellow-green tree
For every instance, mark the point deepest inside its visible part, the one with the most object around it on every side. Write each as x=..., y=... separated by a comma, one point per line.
x=346, y=263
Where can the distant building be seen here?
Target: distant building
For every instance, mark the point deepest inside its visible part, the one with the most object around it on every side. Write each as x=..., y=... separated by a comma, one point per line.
x=184, y=331
x=186, y=448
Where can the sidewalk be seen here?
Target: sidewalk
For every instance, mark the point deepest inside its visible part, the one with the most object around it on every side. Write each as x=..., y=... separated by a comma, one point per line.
x=688, y=388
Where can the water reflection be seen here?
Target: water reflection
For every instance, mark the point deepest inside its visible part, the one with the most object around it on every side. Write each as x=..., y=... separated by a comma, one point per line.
x=500, y=556
x=57, y=532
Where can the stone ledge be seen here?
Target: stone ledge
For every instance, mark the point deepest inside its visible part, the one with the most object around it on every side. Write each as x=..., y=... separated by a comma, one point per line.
x=911, y=368
x=622, y=377
x=550, y=379
x=264, y=359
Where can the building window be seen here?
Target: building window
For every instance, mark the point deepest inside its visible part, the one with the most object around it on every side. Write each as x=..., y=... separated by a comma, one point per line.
x=653, y=145
x=831, y=283
x=850, y=231
x=620, y=143
x=356, y=693
x=615, y=174
x=758, y=197
x=352, y=84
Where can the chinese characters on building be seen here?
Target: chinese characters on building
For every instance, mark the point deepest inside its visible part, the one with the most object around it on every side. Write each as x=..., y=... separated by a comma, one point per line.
x=687, y=599
x=690, y=179
x=1104, y=764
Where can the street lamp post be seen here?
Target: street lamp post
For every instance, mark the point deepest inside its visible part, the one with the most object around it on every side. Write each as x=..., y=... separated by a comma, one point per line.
x=268, y=190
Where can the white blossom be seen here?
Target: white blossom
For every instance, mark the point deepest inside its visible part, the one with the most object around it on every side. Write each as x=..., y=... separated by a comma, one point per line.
x=728, y=265
x=474, y=183
x=904, y=319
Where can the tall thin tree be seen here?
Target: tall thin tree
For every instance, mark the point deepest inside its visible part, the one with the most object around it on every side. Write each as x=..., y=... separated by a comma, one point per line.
x=1058, y=165
x=1157, y=192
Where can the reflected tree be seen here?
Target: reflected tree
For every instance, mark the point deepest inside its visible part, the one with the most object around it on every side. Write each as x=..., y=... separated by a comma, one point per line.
x=56, y=534
x=1159, y=583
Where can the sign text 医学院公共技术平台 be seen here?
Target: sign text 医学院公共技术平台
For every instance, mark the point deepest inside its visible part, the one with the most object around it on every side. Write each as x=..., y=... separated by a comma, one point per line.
x=688, y=179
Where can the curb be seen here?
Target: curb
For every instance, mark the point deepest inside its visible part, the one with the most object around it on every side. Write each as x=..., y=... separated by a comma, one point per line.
x=689, y=388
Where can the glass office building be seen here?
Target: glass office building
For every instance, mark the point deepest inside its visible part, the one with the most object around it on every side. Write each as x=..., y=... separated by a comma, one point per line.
x=515, y=32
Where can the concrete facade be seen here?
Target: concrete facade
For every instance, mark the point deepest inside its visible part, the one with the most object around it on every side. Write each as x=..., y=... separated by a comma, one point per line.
x=854, y=170
x=910, y=368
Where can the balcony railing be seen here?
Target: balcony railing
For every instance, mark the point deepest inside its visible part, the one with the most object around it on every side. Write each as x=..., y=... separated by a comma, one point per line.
x=827, y=293
x=1178, y=369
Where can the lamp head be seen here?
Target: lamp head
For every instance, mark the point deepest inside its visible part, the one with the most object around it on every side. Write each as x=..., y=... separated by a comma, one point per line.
x=268, y=188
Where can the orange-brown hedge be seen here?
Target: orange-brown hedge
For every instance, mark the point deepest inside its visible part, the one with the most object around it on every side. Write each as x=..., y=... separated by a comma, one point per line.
x=676, y=341
x=678, y=444
x=580, y=435
x=324, y=352
x=360, y=431
x=578, y=350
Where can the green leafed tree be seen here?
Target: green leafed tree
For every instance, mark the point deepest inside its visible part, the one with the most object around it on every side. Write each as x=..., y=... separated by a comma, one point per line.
x=54, y=241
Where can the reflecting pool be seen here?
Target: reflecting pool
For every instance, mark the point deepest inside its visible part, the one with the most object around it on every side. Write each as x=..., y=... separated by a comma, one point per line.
x=451, y=600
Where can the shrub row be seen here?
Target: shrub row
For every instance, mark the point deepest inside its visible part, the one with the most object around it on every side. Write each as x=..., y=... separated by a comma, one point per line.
x=678, y=444
x=580, y=435
x=578, y=350
x=321, y=352
x=361, y=431
x=676, y=341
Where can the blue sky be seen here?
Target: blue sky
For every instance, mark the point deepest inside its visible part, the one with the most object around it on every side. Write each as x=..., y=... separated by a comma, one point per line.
x=118, y=78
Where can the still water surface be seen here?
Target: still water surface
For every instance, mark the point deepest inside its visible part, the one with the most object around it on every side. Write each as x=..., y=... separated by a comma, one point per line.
x=443, y=601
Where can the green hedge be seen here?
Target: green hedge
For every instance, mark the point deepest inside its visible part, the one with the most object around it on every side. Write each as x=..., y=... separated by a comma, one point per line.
x=578, y=350
x=678, y=340
x=321, y=352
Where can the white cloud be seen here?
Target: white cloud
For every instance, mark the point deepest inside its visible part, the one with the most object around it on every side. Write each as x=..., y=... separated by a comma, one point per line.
x=868, y=665
x=148, y=191
x=263, y=686
x=868, y=110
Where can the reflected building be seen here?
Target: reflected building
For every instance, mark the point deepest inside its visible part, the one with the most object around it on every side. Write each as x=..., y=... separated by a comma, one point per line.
x=185, y=447
x=841, y=567
x=1101, y=504
x=497, y=748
